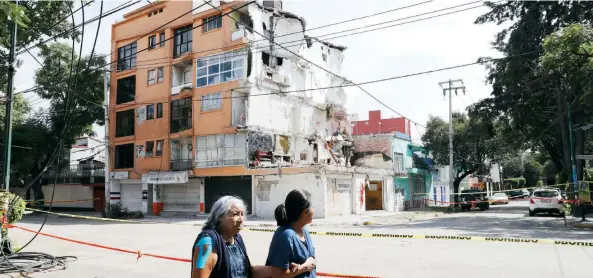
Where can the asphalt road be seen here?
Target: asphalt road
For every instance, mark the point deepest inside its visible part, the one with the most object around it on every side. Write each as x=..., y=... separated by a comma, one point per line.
x=382, y=257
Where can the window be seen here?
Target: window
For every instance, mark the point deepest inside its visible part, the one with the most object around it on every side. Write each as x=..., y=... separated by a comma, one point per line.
x=159, y=110
x=159, y=147
x=220, y=150
x=181, y=115
x=152, y=42
x=124, y=156
x=160, y=75
x=545, y=194
x=150, y=112
x=151, y=77
x=126, y=89
x=149, y=149
x=220, y=68
x=124, y=123
x=126, y=57
x=182, y=41
x=398, y=162
x=162, y=39
x=187, y=76
x=211, y=102
x=212, y=23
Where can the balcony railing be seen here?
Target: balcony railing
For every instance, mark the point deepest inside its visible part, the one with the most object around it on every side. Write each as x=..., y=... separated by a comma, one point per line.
x=182, y=164
x=78, y=174
x=176, y=89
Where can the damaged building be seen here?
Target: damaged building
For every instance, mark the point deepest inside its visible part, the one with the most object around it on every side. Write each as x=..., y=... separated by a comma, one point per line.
x=244, y=104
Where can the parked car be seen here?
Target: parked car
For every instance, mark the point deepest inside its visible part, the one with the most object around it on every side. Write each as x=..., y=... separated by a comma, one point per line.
x=476, y=196
x=526, y=193
x=516, y=194
x=546, y=200
x=499, y=198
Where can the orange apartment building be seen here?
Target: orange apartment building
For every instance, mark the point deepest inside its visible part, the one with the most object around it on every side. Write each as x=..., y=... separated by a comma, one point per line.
x=197, y=111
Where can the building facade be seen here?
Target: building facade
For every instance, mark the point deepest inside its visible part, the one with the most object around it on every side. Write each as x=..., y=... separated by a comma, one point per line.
x=376, y=125
x=228, y=105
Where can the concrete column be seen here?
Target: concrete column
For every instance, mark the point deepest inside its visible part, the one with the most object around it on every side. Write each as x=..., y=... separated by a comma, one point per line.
x=144, y=198
x=157, y=199
x=114, y=191
x=203, y=197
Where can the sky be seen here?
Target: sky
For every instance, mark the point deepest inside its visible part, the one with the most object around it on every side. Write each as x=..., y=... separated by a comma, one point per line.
x=405, y=49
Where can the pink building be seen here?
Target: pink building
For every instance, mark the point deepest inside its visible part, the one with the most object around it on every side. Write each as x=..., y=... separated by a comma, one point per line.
x=376, y=125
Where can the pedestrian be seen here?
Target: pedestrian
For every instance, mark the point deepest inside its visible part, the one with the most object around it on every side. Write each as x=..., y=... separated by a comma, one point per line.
x=219, y=250
x=292, y=253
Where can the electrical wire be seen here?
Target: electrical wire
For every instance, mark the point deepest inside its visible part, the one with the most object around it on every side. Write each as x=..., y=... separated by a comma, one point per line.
x=333, y=33
x=53, y=260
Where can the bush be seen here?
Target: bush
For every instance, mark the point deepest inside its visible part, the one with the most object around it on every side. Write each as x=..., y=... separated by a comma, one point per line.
x=17, y=209
x=117, y=211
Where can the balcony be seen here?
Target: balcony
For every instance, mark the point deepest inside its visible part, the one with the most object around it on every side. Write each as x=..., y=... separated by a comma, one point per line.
x=181, y=77
x=182, y=164
x=76, y=174
x=240, y=34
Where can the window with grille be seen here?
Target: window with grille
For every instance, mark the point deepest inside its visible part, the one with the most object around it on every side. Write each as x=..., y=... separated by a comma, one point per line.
x=211, y=102
x=212, y=23
x=126, y=57
x=220, y=150
x=124, y=123
x=152, y=42
x=220, y=68
x=398, y=162
x=151, y=77
x=181, y=118
x=182, y=41
x=160, y=75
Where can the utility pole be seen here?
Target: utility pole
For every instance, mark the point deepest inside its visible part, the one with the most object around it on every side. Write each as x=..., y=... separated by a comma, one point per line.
x=8, y=117
x=450, y=86
x=107, y=145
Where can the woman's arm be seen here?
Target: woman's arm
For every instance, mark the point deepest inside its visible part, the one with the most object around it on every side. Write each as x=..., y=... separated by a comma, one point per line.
x=205, y=258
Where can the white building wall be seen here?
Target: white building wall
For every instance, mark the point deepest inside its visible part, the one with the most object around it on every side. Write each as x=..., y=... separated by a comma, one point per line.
x=271, y=191
x=339, y=194
x=69, y=192
x=358, y=196
x=94, y=147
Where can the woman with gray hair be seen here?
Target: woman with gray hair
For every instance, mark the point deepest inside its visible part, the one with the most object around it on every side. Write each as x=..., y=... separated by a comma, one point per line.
x=219, y=250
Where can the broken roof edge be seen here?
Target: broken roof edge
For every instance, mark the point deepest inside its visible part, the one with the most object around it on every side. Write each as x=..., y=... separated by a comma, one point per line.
x=328, y=44
x=285, y=14
x=356, y=169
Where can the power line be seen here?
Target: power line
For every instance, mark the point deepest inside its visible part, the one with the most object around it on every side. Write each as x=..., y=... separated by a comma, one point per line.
x=323, y=26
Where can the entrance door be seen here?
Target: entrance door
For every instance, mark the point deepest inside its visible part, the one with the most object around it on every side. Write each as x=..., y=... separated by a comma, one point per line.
x=216, y=187
x=99, y=198
x=131, y=196
x=374, y=195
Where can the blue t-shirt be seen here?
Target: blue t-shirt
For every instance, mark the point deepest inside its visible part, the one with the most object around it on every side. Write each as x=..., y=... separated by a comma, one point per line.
x=286, y=247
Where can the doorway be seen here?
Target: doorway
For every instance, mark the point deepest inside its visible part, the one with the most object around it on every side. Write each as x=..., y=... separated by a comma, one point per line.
x=374, y=195
x=99, y=198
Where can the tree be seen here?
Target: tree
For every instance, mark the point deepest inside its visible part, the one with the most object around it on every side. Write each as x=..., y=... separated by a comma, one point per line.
x=512, y=168
x=532, y=172
x=549, y=172
x=474, y=144
x=37, y=21
x=44, y=129
x=523, y=94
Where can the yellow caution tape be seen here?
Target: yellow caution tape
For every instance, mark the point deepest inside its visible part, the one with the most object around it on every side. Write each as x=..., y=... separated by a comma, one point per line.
x=354, y=234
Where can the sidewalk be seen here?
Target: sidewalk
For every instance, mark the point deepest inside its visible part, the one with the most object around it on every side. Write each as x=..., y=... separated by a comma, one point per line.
x=372, y=218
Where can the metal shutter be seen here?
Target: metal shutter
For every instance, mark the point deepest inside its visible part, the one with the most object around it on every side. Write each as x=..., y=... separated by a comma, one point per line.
x=131, y=196
x=182, y=197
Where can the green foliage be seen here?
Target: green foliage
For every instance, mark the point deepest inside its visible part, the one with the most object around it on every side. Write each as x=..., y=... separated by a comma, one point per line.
x=531, y=90
x=117, y=211
x=37, y=21
x=512, y=168
x=549, y=172
x=16, y=211
x=532, y=172
x=515, y=183
x=474, y=143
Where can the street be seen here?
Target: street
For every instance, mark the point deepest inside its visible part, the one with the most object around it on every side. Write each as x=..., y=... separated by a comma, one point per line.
x=383, y=257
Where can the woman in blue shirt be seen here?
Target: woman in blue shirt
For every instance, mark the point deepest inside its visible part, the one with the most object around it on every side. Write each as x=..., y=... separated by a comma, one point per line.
x=292, y=253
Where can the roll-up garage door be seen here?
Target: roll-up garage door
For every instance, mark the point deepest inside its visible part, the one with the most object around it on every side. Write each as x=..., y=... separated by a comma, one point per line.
x=131, y=196
x=216, y=187
x=182, y=197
